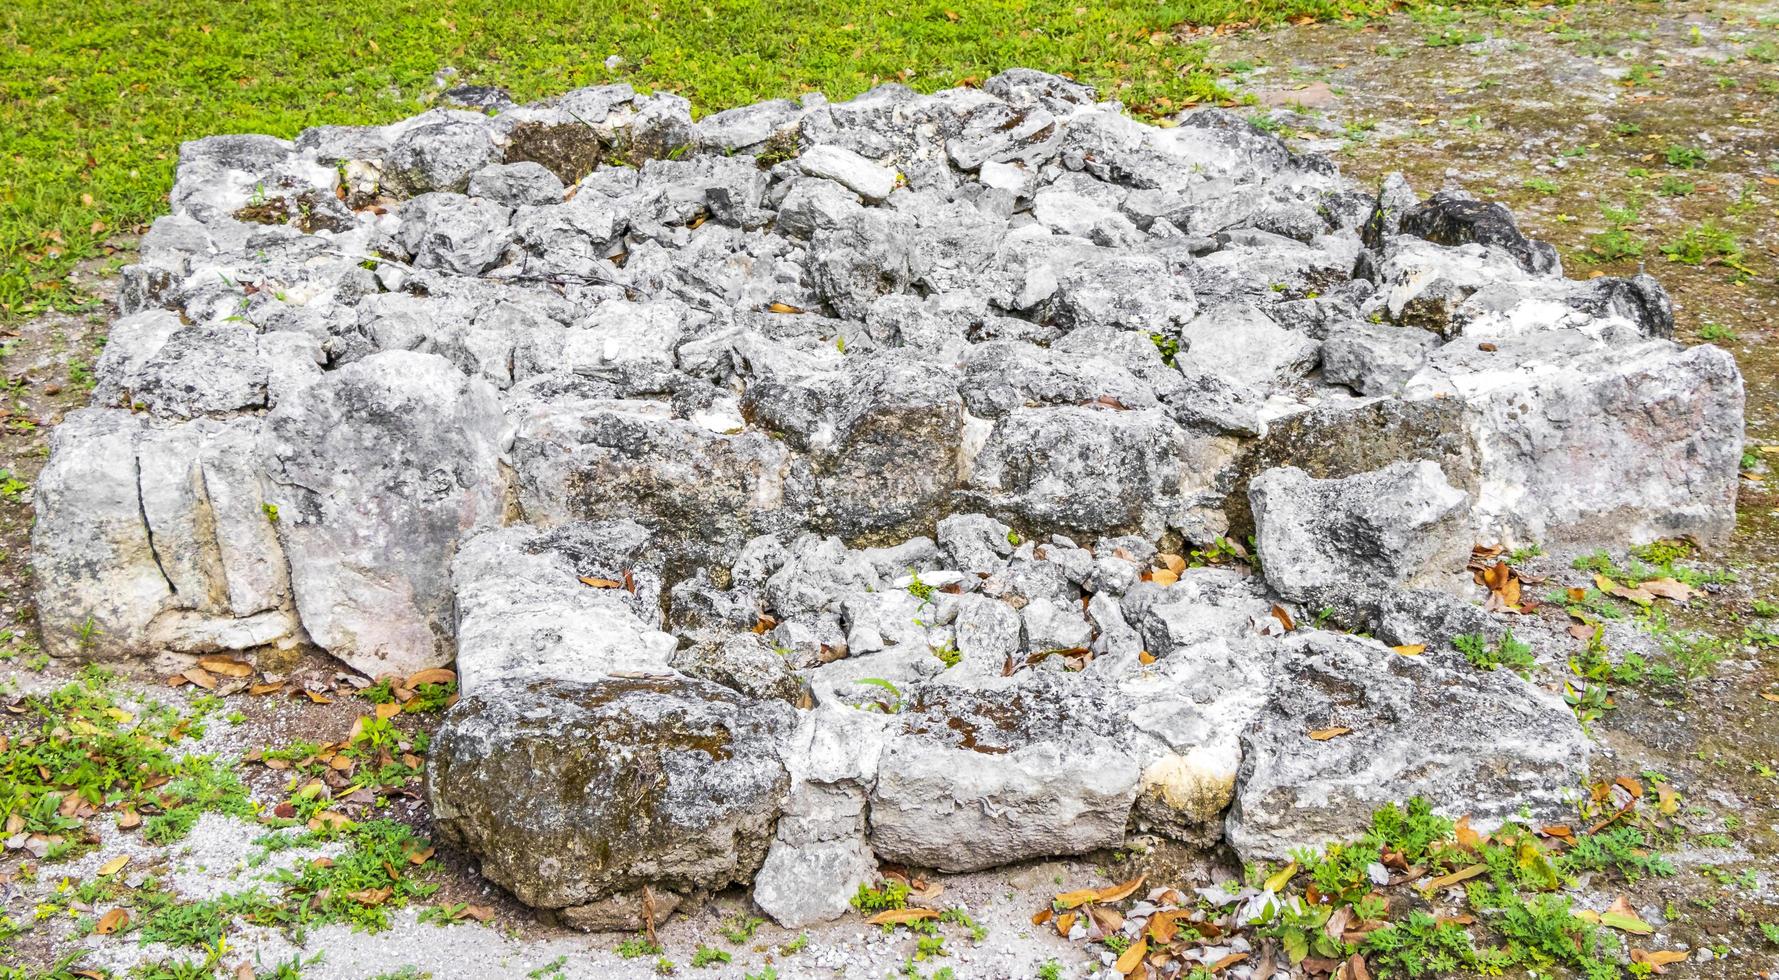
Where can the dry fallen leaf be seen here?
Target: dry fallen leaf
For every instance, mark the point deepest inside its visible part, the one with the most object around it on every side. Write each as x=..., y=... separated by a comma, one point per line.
x=1120, y=891
x=480, y=913
x=1064, y=923
x=1770, y=696
x=891, y=917
x=1463, y=874
x=1284, y=618
x=328, y=818
x=1227, y=962
x=1078, y=897
x=112, y=921
x=1467, y=838
x=1324, y=734
x=1667, y=588
x=1145, y=658
x=201, y=677
x=435, y=675
x=1131, y=959
x=1164, y=924
x=1640, y=596
x=1163, y=576
x=114, y=865
x=1657, y=959
x=1620, y=916
x=226, y=667
x=1411, y=649
x=1173, y=563
x=783, y=308
x=128, y=819
x=602, y=583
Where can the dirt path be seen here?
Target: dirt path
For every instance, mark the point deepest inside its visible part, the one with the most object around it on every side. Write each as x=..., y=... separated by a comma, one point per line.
x=1609, y=129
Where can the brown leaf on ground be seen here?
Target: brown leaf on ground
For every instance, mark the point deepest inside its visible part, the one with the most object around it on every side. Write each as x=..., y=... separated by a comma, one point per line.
x=371, y=896
x=1165, y=924
x=1107, y=919
x=112, y=921
x=1411, y=649
x=388, y=711
x=1667, y=588
x=1227, y=962
x=226, y=667
x=891, y=917
x=1284, y=618
x=1131, y=960
x=259, y=690
x=328, y=818
x=480, y=913
x=602, y=583
x=1657, y=960
x=114, y=865
x=1120, y=891
x=1324, y=734
x=1078, y=897
x=201, y=677
x=435, y=675
x=1463, y=874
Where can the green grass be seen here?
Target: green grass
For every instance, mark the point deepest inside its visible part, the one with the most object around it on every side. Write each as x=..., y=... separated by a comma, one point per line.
x=96, y=97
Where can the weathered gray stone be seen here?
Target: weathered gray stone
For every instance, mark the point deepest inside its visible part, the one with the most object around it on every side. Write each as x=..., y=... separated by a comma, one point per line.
x=153, y=537
x=525, y=615
x=621, y=784
x=857, y=174
x=1483, y=744
x=1375, y=359
x=515, y=184
x=1584, y=441
x=463, y=235
x=1401, y=525
x=378, y=472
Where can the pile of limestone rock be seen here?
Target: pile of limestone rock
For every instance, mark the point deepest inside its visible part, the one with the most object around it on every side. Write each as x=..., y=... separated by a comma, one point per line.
x=809, y=485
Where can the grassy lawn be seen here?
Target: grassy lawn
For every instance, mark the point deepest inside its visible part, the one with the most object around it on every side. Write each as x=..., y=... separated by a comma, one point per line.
x=96, y=97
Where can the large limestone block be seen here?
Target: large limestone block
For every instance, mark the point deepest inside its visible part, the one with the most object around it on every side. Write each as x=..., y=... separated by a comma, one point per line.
x=378, y=472
x=1483, y=744
x=575, y=796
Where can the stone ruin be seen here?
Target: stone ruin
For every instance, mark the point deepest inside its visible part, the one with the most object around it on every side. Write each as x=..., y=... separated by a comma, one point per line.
x=809, y=485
